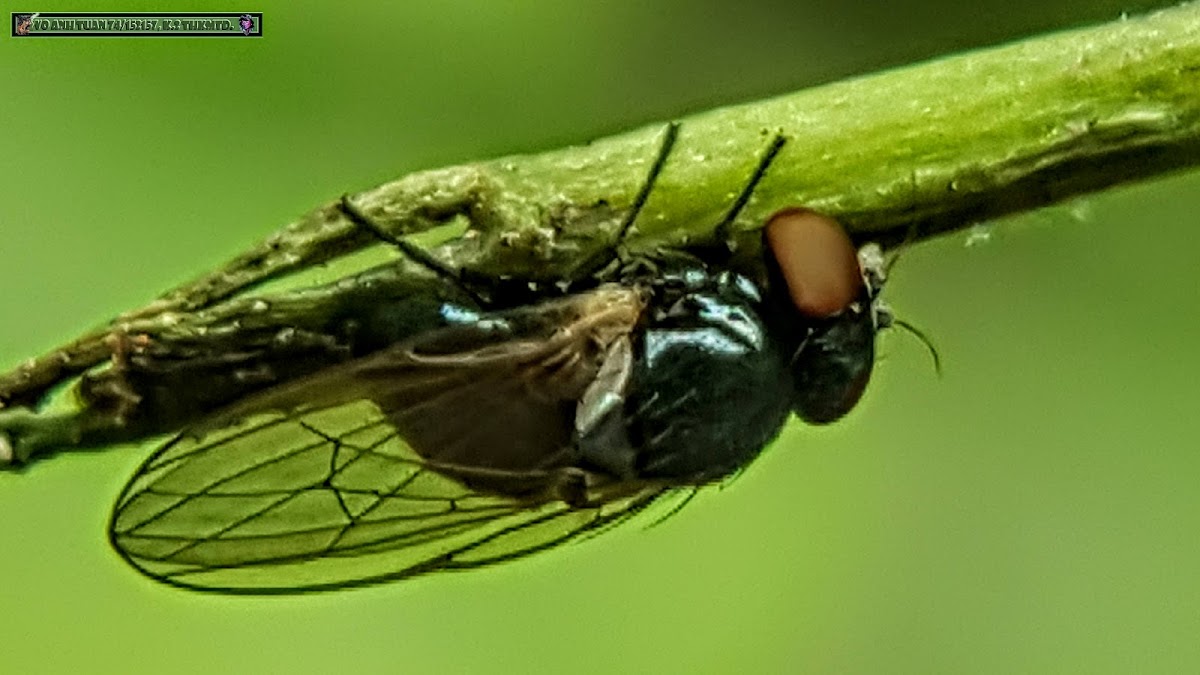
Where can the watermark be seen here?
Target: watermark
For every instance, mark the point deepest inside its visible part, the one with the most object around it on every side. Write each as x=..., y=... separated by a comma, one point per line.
x=137, y=24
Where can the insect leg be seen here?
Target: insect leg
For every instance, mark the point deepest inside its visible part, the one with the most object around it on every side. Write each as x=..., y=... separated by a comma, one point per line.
x=664, y=150
x=414, y=253
x=722, y=229
x=677, y=507
x=599, y=263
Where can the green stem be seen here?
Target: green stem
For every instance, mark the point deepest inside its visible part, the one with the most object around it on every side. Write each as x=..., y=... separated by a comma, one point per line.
x=935, y=147
x=943, y=144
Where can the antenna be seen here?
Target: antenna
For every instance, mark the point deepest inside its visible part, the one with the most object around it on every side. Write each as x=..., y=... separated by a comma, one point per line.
x=920, y=335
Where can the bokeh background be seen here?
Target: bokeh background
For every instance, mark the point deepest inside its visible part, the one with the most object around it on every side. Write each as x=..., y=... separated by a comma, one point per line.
x=1034, y=510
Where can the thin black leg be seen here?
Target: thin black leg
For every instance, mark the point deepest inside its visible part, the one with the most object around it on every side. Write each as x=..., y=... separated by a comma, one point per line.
x=664, y=150
x=414, y=253
x=722, y=228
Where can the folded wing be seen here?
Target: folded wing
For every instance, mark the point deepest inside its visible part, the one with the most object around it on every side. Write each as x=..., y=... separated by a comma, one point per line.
x=443, y=452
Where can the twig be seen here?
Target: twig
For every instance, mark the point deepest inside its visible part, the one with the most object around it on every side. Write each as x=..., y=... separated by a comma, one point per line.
x=935, y=147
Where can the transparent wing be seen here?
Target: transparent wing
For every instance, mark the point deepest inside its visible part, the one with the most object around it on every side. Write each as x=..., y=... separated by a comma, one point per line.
x=313, y=487
x=326, y=499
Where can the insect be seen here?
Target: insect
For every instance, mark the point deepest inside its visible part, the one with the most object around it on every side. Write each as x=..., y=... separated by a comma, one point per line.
x=838, y=288
x=525, y=419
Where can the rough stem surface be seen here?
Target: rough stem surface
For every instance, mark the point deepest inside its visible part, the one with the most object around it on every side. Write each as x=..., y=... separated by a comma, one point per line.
x=926, y=148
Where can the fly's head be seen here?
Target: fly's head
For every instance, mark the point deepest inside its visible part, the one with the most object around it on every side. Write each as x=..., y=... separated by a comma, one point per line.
x=833, y=309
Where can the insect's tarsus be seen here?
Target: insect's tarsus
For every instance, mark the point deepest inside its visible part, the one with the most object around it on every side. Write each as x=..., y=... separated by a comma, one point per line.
x=722, y=228
x=614, y=250
x=414, y=253
x=668, y=142
x=610, y=522
x=692, y=491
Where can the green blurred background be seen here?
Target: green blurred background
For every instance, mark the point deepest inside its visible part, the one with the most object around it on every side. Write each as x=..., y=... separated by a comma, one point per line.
x=1034, y=510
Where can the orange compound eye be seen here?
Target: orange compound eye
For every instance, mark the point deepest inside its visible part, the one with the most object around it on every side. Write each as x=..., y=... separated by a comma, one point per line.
x=817, y=260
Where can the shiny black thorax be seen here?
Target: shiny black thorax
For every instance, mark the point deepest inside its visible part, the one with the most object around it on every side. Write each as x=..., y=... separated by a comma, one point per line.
x=710, y=385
